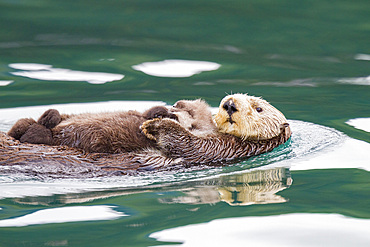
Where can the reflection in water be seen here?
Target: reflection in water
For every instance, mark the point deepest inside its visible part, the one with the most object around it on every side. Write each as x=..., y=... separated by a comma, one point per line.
x=5, y=83
x=74, y=198
x=175, y=68
x=365, y=57
x=256, y=187
x=307, y=82
x=360, y=123
x=48, y=73
x=300, y=229
x=64, y=214
x=364, y=81
x=351, y=153
x=312, y=147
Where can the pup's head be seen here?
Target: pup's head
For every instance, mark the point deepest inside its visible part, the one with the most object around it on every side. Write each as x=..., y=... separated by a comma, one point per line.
x=159, y=112
x=194, y=115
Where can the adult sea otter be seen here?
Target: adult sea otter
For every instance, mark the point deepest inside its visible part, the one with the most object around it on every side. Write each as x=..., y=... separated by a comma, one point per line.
x=185, y=135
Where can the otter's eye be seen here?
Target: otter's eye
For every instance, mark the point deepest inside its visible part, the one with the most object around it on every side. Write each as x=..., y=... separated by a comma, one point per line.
x=259, y=109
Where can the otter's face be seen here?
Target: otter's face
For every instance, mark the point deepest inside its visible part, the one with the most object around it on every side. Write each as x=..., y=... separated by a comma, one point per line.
x=185, y=111
x=249, y=117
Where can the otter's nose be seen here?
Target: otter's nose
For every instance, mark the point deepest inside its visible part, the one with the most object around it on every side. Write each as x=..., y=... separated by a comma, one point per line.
x=230, y=107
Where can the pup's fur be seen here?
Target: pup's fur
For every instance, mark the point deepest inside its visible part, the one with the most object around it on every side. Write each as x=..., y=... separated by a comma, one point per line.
x=114, y=132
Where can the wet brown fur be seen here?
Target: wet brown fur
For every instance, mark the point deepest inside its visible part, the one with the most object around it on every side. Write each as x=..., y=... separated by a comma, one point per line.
x=113, y=132
x=250, y=127
x=182, y=136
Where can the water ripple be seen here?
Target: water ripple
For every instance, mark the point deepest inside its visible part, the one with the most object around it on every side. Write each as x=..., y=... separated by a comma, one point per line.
x=307, y=139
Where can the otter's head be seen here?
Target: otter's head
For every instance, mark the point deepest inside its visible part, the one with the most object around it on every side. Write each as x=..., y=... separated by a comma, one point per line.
x=249, y=117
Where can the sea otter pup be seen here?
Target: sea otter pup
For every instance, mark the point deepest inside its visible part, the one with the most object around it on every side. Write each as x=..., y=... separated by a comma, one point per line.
x=114, y=132
x=247, y=126
x=195, y=116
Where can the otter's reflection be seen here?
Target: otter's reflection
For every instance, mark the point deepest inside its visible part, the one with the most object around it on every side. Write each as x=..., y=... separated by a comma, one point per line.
x=256, y=187
x=253, y=187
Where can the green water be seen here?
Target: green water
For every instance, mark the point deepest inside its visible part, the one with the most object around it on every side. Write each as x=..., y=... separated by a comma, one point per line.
x=302, y=56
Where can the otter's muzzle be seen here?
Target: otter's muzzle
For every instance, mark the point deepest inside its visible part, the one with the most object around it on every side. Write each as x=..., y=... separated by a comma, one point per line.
x=230, y=108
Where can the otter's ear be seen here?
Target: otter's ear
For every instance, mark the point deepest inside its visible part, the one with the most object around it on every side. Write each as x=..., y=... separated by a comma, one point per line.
x=283, y=126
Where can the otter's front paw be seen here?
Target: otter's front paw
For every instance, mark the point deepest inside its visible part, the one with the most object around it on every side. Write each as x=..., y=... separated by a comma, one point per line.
x=163, y=130
x=150, y=128
x=50, y=118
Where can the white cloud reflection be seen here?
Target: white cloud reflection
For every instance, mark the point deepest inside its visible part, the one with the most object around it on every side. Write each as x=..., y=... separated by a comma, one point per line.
x=5, y=83
x=63, y=215
x=364, y=57
x=281, y=230
x=48, y=73
x=360, y=123
x=365, y=81
x=351, y=153
x=175, y=68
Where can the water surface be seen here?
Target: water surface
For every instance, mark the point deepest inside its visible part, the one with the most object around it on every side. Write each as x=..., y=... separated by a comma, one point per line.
x=310, y=59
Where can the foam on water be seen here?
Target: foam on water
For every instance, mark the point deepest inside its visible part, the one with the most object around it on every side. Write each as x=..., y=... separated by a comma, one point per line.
x=311, y=147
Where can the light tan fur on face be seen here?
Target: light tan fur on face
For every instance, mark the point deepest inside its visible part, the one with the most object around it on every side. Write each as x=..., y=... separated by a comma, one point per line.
x=247, y=123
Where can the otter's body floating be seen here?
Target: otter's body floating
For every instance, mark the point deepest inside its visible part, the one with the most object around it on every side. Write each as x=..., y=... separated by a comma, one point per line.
x=181, y=136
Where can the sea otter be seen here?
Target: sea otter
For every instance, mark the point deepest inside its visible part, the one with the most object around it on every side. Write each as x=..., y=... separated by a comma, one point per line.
x=113, y=132
x=247, y=126
x=248, y=117
x=243, y=127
